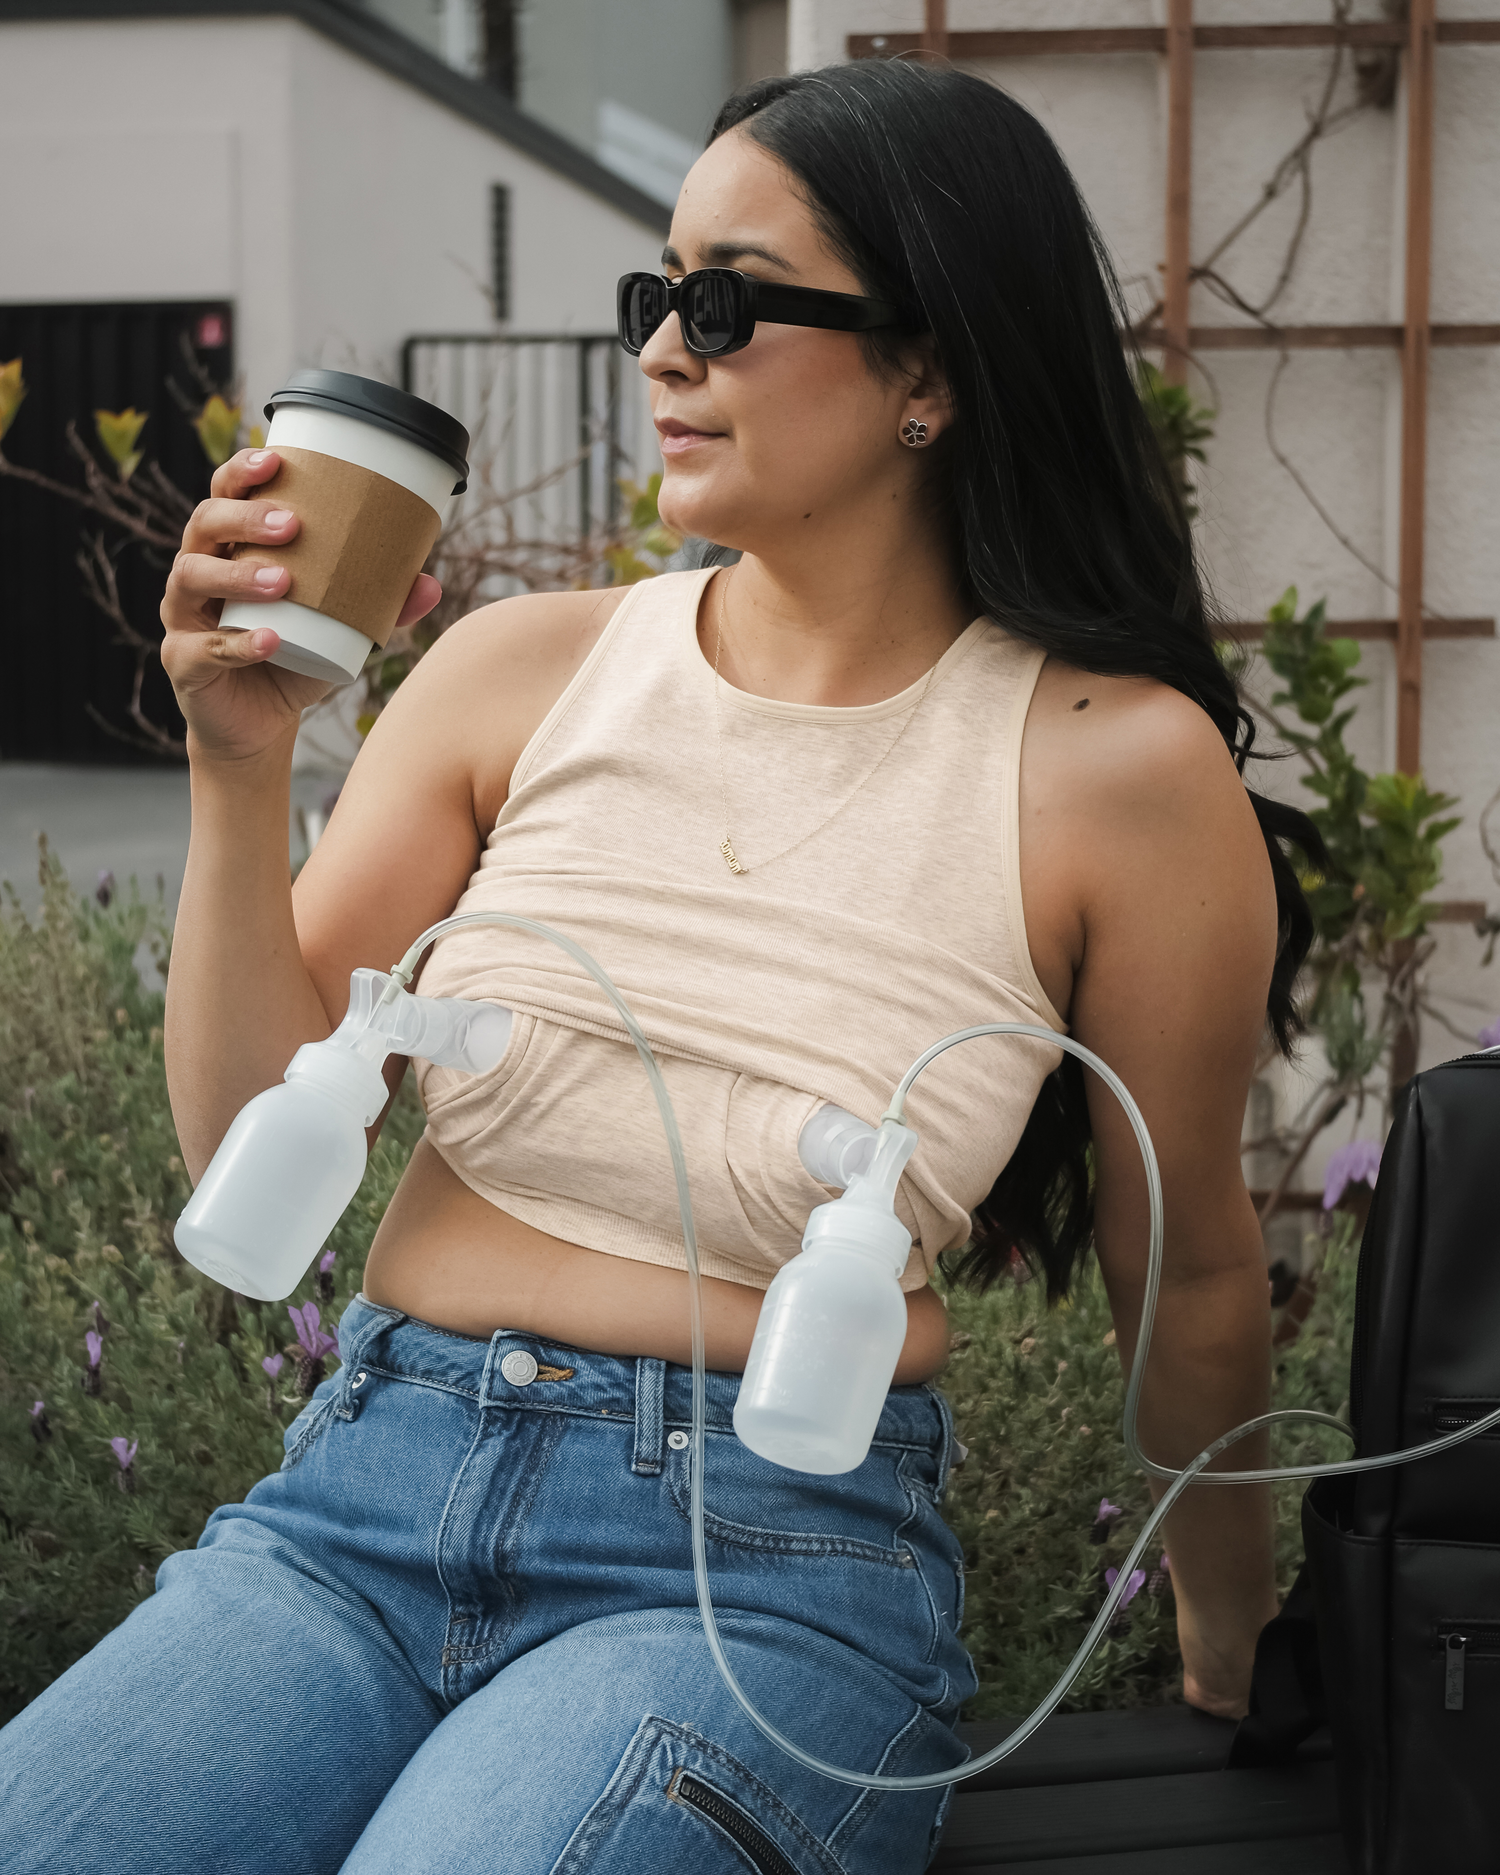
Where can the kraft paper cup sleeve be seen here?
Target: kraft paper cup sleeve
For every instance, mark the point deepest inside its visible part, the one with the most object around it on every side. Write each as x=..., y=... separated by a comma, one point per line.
x=363, y=540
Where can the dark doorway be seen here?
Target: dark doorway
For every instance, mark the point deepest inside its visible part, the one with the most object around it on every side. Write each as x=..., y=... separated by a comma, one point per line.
x=57, y=658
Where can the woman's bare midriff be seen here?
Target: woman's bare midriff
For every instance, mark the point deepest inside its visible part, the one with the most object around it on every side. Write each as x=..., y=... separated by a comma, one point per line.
x=447, y=1256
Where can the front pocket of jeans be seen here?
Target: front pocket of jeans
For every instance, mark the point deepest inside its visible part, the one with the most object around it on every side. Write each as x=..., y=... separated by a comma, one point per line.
x=735, y=1477
x=308, y=1427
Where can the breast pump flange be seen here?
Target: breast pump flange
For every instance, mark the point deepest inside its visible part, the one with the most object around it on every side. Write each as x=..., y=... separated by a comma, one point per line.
x=853, y=1243
x=294, y=1156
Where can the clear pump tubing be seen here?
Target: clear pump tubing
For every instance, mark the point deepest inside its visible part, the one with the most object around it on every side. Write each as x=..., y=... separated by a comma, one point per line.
x=1301, y=1415
x=1190, y=1473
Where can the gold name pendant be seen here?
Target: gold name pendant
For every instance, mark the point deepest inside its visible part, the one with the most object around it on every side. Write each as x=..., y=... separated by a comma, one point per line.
x=729, y=859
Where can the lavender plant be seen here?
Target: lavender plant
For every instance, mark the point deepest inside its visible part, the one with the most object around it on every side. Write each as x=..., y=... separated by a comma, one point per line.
x=1037, y=1395
x=135, y=1395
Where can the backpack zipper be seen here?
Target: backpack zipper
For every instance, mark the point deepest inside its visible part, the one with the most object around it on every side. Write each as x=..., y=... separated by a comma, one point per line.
x=1454, y=1415
x=1471, y=1640
x=761, y=1852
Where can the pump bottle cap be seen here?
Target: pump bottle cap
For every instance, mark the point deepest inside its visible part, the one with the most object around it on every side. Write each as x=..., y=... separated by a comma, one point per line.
x=846, y=1224
x=351, y=1080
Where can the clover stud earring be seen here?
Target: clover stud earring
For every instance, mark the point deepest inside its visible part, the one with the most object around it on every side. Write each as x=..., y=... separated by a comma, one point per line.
x=914, y=433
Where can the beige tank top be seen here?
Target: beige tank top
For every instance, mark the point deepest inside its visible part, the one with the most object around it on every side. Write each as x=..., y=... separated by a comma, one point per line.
x=819, y=974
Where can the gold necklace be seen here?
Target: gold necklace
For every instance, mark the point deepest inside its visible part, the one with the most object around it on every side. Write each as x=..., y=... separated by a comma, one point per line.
x=726, y=845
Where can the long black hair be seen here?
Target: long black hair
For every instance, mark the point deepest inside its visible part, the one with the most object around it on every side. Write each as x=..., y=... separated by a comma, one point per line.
x=944, y=195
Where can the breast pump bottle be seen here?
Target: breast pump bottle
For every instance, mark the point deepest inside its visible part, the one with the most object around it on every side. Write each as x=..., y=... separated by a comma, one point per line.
x=833, y=1322
x=295, y=1155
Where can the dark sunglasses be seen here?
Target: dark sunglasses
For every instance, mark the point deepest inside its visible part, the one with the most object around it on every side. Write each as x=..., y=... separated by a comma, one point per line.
x=718, y=309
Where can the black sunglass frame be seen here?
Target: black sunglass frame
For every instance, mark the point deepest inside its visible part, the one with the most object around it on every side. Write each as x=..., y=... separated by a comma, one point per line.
x=750, y=300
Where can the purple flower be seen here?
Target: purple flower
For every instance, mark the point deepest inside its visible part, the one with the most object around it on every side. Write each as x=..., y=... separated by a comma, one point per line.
x=1490, y=1037
x=1354, y=1164
x=325, y=1276
x=125, y=1452
x=1160, y=1576
x=325, y=1262
x=41, y=1429
x=313, y=1337
x=38, y=1406
x=1107, y=1511
x=1133, y=1587
x=312, y=1343
x=272, y=1364
x=95, y=1345
x=104, y=889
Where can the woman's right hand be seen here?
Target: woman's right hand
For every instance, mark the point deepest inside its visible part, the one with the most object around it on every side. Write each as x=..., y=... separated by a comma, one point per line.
x=236, y=702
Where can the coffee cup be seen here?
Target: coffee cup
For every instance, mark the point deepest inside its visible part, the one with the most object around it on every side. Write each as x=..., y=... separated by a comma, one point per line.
x=369, y=472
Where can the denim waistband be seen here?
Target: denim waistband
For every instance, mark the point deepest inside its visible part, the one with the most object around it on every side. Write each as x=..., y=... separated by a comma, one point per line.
x=552, y=1377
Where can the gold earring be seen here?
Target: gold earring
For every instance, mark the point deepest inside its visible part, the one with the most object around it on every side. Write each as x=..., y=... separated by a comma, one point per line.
x=914, y=433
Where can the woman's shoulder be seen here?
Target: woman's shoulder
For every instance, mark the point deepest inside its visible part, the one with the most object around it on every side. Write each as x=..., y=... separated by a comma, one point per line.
x=1136, y=829
x=1128, y=745
x=543, y=635
x=1137, y=783
x=480, y=693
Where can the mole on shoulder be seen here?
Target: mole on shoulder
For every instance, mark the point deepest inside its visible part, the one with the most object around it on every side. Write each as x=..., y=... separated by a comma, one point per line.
x=1081, y=704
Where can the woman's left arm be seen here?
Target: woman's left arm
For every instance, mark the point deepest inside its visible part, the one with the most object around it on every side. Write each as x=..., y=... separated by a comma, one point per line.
x=1163, y=869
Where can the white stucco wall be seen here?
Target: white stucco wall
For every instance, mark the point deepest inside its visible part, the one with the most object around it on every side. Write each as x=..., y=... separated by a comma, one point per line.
x=338, y=208
x=1337, y=413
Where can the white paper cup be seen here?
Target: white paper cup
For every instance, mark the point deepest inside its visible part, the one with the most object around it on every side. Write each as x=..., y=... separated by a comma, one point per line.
x=360, y=536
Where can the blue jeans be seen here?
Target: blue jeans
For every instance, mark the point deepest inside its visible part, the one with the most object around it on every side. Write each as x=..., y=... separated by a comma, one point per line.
x=457, y=1631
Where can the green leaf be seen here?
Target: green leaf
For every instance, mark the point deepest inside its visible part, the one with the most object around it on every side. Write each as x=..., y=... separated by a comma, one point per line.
x=1180, y=424
x=218, y=427
x=118, y=430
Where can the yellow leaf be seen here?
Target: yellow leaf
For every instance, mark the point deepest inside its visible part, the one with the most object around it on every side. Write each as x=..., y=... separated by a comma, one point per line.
x=118, y=430
x=218, y=427
x=12, y=390
x=365, y=722
x=256, y=438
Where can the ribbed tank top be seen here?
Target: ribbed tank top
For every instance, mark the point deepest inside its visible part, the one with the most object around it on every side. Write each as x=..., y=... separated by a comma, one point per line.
x=815, y=976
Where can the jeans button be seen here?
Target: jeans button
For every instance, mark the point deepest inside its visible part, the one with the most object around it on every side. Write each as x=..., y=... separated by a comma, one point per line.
x=519, y=1367
x=359, y=1380
x=678, y=1441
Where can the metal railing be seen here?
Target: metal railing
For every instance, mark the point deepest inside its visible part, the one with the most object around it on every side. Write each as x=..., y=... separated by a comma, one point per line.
x=552, y=418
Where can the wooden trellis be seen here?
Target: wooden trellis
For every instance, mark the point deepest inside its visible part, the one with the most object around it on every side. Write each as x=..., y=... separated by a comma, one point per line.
x=1177, y=42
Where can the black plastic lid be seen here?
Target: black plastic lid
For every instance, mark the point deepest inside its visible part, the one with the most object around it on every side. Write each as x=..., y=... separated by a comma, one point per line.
x=370, y=401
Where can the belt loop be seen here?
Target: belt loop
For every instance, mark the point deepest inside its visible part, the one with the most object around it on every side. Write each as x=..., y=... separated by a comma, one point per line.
x=650, y=1379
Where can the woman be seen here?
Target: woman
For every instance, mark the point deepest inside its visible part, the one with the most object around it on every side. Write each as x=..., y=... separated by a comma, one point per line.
x=797, y=807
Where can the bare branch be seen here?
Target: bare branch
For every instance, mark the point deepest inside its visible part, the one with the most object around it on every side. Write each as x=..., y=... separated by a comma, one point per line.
x=158, y=742
x=102, y=586
x=1297, y=476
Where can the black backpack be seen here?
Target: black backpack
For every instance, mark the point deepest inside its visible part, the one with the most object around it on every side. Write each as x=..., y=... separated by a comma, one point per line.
x=1393, y=1632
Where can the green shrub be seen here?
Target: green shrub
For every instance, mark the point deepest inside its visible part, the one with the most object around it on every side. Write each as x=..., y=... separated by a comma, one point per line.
x=1037, y=1396
x=90, y=1181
